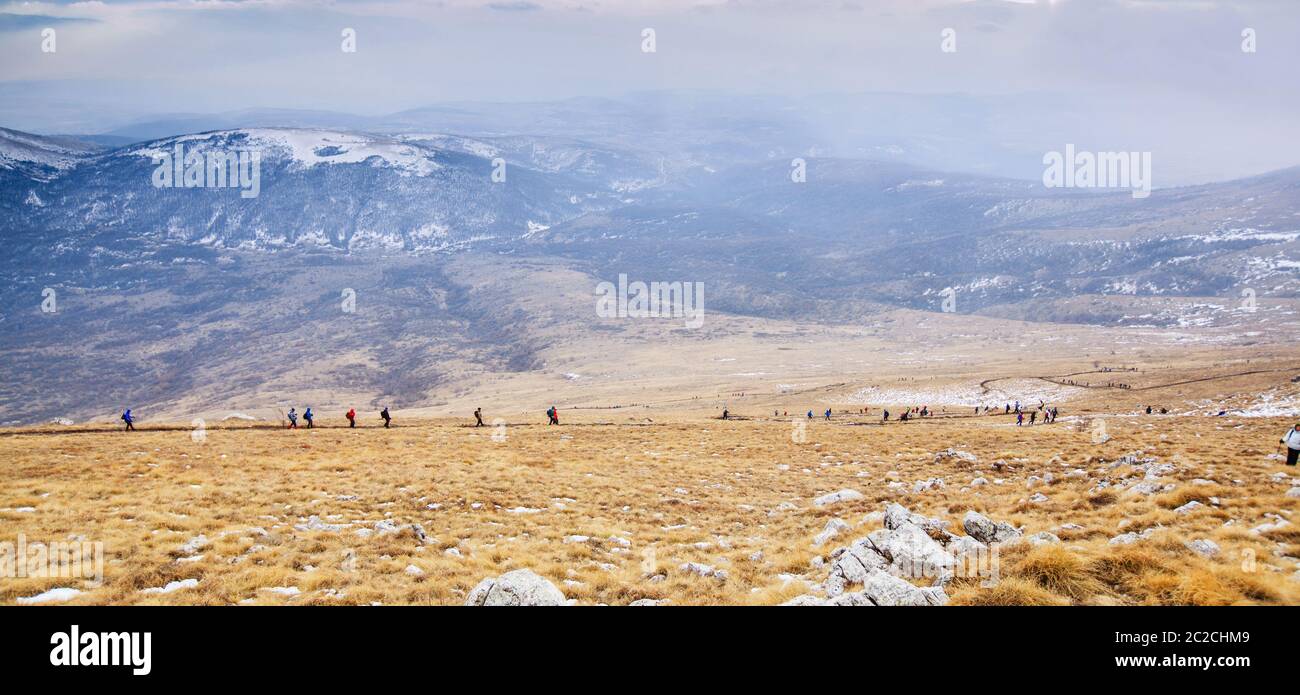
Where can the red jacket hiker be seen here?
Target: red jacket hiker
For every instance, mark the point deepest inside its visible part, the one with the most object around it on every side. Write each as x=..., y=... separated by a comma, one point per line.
x=352, y=417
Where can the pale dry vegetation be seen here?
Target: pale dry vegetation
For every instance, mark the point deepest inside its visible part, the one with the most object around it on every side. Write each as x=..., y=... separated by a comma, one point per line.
x=608, y=510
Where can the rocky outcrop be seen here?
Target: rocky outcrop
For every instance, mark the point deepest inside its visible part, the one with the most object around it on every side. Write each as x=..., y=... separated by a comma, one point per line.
x=910, y=546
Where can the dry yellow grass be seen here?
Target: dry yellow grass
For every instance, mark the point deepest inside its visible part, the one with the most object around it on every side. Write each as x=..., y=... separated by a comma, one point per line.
x=648, y=496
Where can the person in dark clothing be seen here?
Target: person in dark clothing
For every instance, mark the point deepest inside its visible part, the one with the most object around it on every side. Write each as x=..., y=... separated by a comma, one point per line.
x=1292, y=441
x=886, y=417
x=554, y=416
x=383, y=414
x=1148, y=410
x=306, y=415
x=129, y=420
x=1033, y=415
x=352, y=417
x=726, y=414
x=478, y=416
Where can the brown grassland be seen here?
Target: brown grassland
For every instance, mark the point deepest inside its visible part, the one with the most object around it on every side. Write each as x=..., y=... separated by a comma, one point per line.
x=648, y=491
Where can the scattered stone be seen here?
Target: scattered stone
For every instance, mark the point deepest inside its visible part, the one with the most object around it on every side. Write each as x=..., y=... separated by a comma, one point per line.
x=845, y=495
x=1161, y=470
x=703, y=570
x=1125, y=539
x=1203, y=547
x=984, y=530
x=1189, y=507
x=1043, y=538
x=950, y=453
x=1147, y=487
x=314, y=523
x=1276, y=523
x=1038, y=498
x=928, y=484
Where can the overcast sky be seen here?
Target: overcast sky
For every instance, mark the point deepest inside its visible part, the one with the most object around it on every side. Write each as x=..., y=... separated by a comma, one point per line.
x=120, y=60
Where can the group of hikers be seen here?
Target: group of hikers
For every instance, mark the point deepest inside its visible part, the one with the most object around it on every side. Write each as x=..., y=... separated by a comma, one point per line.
x=1291, y=439
x=351, y=415
x=292, y=416
x=1049, y=413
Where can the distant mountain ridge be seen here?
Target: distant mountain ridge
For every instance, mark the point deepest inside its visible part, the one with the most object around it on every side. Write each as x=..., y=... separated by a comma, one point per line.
x=180, y=298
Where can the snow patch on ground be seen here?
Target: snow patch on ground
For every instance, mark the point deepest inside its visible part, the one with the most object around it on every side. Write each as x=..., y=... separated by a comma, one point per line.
x=1027, y=391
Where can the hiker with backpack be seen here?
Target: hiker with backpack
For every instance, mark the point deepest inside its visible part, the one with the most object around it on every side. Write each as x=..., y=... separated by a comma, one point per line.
x=1292, y=441
x=478, y=416
x=352, y=417
x=383, y=415
x=129, y=420
x=306, y=415
x=293, y=419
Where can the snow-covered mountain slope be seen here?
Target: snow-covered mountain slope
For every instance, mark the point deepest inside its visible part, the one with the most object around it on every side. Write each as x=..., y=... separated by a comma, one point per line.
x=37, y=156
x=309, y=187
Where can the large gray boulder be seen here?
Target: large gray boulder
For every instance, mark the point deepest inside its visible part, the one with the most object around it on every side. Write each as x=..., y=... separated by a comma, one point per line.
x=985, y=530
x=516, y=588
